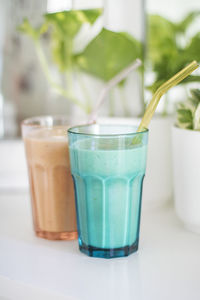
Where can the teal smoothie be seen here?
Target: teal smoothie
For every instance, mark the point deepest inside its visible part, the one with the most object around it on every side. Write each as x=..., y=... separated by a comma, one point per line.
x=108, y=181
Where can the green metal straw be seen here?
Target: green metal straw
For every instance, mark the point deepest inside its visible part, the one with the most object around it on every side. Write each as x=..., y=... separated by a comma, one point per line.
x=162, y=90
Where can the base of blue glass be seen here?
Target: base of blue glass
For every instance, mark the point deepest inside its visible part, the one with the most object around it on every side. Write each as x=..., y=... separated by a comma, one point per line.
x=108, y=253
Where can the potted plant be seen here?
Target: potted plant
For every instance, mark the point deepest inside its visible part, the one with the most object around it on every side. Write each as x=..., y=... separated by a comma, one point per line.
x=186, y=163
x=83, y=54
x=169, y=49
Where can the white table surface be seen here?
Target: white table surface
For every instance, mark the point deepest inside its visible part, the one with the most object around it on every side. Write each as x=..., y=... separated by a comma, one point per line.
x=167, y=265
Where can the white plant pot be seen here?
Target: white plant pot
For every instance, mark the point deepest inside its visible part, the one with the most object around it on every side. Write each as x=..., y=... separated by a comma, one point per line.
x=186, y=176
x=157, y=189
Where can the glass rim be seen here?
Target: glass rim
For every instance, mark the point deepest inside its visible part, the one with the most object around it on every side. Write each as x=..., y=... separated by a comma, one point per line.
x=71, y=130
x=30, y=121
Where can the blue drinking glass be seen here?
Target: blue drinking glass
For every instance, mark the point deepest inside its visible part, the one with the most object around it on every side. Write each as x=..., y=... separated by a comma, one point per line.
x=108, y=165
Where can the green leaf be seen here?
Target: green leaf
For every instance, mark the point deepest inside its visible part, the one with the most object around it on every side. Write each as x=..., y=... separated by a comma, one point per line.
x=195, y=97
x=190, y=126
x=163, y=52
x=192, y=50
x=32, y=32
x=68, y=23
x=161, y=38
x=195, y=94
x=65, y=25
x=91, y=15
x=109, y=53
x=188, y=112
x=183, y=25
x=185, y=116
x=196, y=118
x=191, y=78
x=166, y=55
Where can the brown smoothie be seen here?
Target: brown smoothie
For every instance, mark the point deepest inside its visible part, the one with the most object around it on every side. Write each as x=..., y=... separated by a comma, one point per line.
x=51, y=183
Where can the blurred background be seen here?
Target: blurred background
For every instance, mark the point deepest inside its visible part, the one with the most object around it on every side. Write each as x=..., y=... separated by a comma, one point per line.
x=44, y=65
x=55, y=57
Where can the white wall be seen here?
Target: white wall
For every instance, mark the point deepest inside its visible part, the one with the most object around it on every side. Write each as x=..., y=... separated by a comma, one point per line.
x=172, y=9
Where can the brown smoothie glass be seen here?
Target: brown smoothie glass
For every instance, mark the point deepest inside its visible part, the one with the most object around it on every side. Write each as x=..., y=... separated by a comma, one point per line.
x=51, y=185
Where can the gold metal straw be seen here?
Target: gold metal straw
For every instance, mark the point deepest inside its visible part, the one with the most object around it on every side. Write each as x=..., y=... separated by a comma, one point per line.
x=162, y=90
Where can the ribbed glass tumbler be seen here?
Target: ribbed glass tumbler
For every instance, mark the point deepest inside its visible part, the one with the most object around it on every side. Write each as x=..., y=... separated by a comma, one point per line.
x=51, y=185
x=108, y=165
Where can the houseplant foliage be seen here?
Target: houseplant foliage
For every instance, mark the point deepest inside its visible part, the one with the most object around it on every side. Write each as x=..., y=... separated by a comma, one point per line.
x=103, y=57
x=186, y=163
x=170, y=47
x=188, y=112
